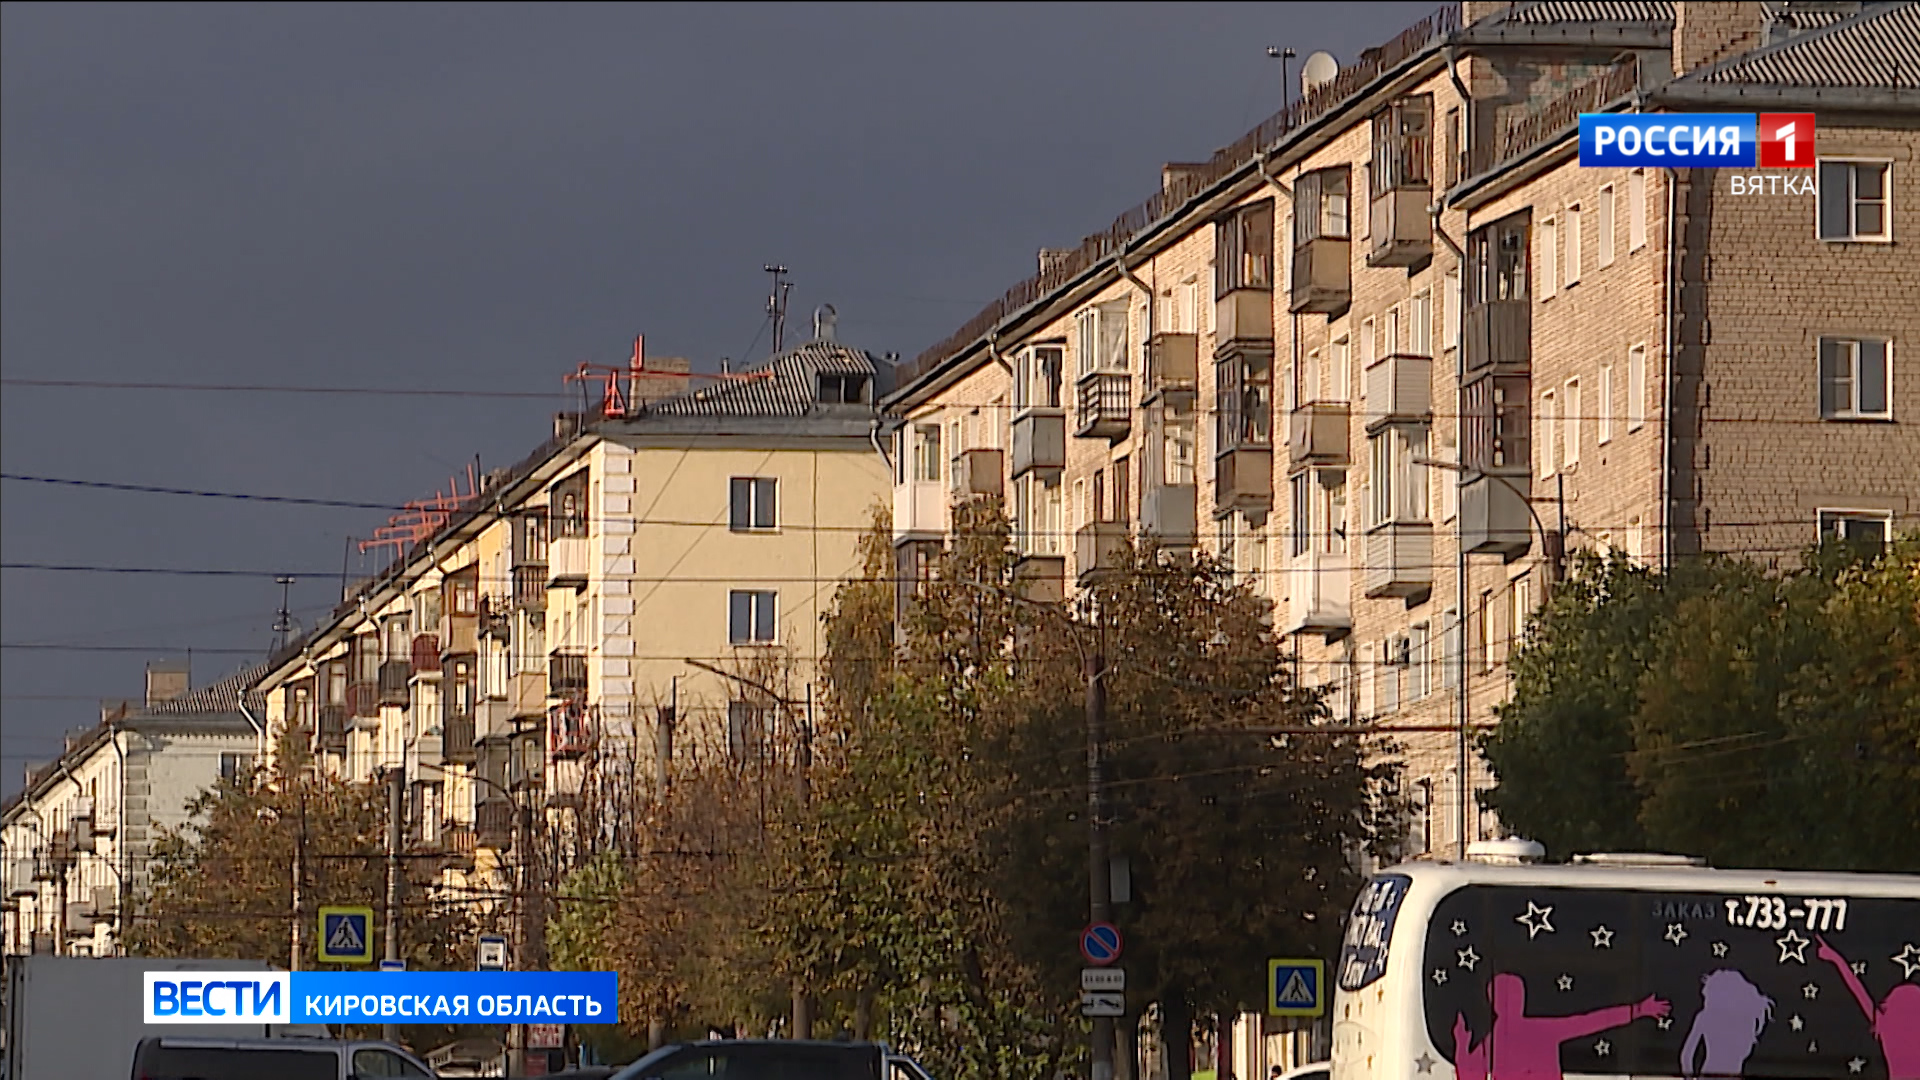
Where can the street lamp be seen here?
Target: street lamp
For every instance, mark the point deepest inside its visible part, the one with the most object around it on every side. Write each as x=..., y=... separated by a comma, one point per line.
x=1555, y=545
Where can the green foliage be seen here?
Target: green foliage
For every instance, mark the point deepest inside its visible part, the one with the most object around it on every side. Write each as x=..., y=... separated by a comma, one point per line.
x=1756, y=718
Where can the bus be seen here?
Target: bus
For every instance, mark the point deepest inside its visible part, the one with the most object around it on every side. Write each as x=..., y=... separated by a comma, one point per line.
x=1503, y=967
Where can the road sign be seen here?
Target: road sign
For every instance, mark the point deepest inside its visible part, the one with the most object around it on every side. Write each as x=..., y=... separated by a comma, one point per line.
x=546, y=1036
x=346, y=935
x=393, y=965
x=1103, y=979
x=1100, y=944
x=1103, y=1004
x=1296, y=988
x=493, y=953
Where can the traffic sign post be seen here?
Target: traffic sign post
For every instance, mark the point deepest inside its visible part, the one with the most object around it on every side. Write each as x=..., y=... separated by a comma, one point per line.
x=1105, y=980
x=393, y=965
x=1100, y=944
x=346, y=935
x=1297, y=988
x=492, y=954
x=1103, y=1004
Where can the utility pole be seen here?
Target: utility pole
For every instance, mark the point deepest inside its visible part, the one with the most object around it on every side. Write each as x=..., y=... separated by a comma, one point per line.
x=1099, y=864
x=777, y=304
x=283, y=619
x=396, y=820
x=530, y=930
x=299, y=876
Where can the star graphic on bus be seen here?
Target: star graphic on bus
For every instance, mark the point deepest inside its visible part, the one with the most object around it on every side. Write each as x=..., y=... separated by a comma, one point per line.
x=1439, y=976
x=1602, y=937
x=1719, y=949
x=1793, y=947
x=1811, y=991
x=1566, y=983
x=1536, y=919
x=1676, y=933
x=1856, y=1065
x=1796, y=1023
x=1459, y=928
x=1909, y=961
x=1603, y=1048
x=1468, y=958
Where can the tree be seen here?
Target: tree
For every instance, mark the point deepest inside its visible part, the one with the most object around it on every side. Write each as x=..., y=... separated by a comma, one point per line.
x=1754, y=717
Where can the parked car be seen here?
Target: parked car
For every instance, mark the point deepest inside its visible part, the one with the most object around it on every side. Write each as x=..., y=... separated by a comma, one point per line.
x=1318, y=1070
x=586, y=1072
x=773, y=1059
x=192, y=1058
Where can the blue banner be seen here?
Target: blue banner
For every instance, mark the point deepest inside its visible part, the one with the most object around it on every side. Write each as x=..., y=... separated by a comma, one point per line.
x=455, y=997
x=1677, y=140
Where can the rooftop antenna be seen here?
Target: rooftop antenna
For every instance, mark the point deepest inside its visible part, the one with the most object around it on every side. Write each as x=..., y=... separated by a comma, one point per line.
x=283, y=619
x=777, y=304
x=1285, y=56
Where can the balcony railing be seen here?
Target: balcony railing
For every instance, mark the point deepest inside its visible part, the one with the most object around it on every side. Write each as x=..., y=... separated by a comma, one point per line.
x=1498, y=334
x=1494, y=515
x=569, y=731
x=426, y=655
x=567, y=562
x=363, y=699
x=1399, y=390
x=459, y=635
x=1097, y=549
x=1039, y=442
x=1173, y=369
x=530, y=585
x=1317, y=434
x=1322, y=280
x=919, y=510
x=528, y=693
x=1243, y=316
x=1399, y=559
x=1169, y=512
x=457, y=840
x=1105, y=405
x=332, y=733
x=1243, y=480
x=493, y=823
x=566, y=674
x=980, y=471
x=493, y=720
x=1319, y=595
x=457, y=738
x=394, y=676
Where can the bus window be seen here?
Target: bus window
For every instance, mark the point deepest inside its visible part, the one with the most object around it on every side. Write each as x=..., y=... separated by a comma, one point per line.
x=1363, y=955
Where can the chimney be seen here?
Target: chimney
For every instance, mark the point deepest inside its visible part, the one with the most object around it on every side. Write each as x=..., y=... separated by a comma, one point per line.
x=1175, y=172
x=824, y=318
x=1052, y=258
x=1707, y=33
x=166, y=681
x=664, y=376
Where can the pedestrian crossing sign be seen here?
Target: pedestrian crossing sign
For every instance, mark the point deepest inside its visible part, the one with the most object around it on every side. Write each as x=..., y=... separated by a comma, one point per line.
x=1296, y=988
x=346, y=935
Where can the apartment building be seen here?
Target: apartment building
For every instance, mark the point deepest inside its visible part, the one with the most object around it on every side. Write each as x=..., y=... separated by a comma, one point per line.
x=76, y=841
x=1394, y=352
x=646, y=585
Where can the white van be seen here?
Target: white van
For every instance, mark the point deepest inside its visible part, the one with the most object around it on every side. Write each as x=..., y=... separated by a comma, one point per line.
x=194, y=1058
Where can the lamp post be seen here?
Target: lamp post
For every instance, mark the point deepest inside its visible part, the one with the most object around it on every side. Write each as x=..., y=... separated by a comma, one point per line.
x=1555, y=545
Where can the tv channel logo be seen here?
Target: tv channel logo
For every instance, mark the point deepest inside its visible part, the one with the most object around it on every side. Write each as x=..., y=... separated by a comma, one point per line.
x=1697, y=140
x=216, y=997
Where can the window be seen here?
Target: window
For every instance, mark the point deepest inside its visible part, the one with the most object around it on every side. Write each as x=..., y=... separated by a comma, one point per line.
x=1390, y=333
x=1549, y=432
x=1419, y=662
x=752, y=503
x=926, y=453
x=1450, y=644
x=1243, y=242
x=1549, y=260
x=1393, y=660
x=843, y=389
x=567, y=507
x=1243, y=386
x=752, y=616
x=463, y=593
x=1403, y=145
x=382, y=1063
x=1122, y=502
x=1369, y=343
x=1853, y=200
x=235, y=766
x=1854, y=377
x=1398, y=491
x=1864, y=527
x=1636, y=209
x=1485, y=618
x=1102, y=338
x=1455, y=149
x=1604, y=224
x=1179, y=453
x=746, y=731
x=1521, y=595
x=1339, y=370
x=1369, y=680
x=1605, y=412
x=1310, y=376
x=1570, y=421
x=1190, y=307
x=1636, y=543
x=1036, y=379
x=1497, y=415
x=1572, y=276
x=1420, y=325
x=1450, y=310
x=1447, y=485
x=1636, y=387
x=1320, y=206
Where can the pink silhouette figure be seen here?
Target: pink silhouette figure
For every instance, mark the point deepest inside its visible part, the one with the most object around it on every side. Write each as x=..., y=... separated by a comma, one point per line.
x=1733, y=1013
x=1523, y=1047
x=1896, y=1021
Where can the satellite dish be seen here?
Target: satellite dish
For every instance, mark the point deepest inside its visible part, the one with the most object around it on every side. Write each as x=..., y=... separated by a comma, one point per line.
x=1320, y=67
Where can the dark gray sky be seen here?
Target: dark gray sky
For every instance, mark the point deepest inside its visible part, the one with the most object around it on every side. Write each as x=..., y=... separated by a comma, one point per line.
x=480, y=197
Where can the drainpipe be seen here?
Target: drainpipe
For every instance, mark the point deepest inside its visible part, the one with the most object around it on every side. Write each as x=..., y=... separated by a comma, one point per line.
x=259, y=730
x=873, y=436
x=1452, y=54
x=1120, y=264
x=1672, y=302
x=1464, y=692
x=120, y=836
x=993, y=351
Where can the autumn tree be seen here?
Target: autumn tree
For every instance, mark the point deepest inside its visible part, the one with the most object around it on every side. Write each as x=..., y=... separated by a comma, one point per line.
x=1755, y=717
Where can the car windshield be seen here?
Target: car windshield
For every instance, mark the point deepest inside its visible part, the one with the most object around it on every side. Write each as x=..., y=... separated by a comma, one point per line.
x=653, y=1061
x=228, y=1063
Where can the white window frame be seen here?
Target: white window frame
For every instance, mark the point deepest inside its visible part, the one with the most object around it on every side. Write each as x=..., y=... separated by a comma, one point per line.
x=1885, y=235
x=1636, y=387
x=1548, y=437
x=1547, y=283
x=1835, y=515
x=1420, y=325
x=1399, y=491
x=1520, y=608
x=1450, y=310
x=1852, y=410
x=1340, y=370
x=1570, y=245
x=1606, y=214
x=1636, y=210
x=762, y=611
x=1604, y=396
x=1570, y=424
x=753, y=523
x=1368, y=341
x=927, y=462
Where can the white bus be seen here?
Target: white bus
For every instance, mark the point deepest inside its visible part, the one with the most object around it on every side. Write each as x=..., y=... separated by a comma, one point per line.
x=1642, y=966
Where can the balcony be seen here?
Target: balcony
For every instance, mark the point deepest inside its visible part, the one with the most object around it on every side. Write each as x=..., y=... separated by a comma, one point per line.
x=1173, y=370
x=1495, y=518
x=428, y=748
x=1103, y=406
x=459, y=635
x=919, y=511
x=567, y=566
x=426, y=655
x=1317, y=434
x=1041, y=578
x=363, y=700
x=1098, y=549
x=527, y=763
x=394, y=675
x=1243, y=315
x=1039, y=441
x=1402, y=233
x=566, y=674
x=457, y=739
x=494, y=719
x=1399, y=390
x=332, y=733
x=530, y=585
x=527, y=693
x=1169, y=512
x=1322, y=276
x=1498, y=334
x=569, y=734
x=106, y=903
x=1399, y=559
x=1243, y=480
x=457, y=840
x=1319, y=595
x=493, y=823
x=979, y=472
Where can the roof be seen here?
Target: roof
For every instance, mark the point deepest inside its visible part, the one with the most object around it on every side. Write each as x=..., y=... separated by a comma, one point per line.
x=788, y=387
x=224, y=696
x=1565, y=11
x=1879, y=48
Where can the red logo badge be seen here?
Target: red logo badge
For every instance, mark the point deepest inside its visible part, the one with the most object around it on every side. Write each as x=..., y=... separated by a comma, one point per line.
x=1786, y=140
